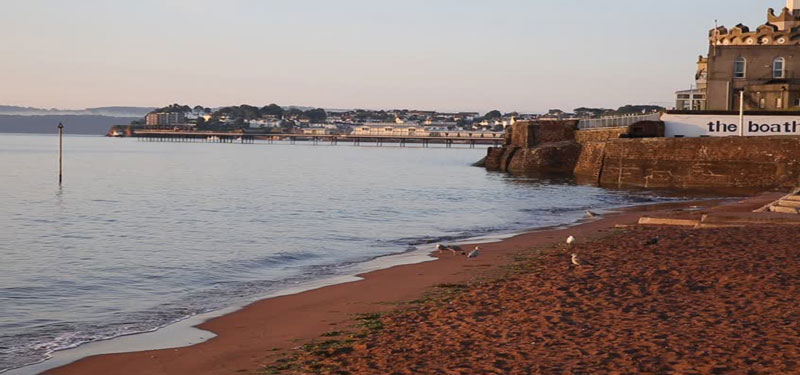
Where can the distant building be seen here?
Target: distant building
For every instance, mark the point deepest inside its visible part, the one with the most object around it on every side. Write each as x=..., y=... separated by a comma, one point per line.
x=759, y=63
x=440, y=124
x=390, y=129
x=468, y=134
x=396, y=130
x=318, y=131
x=165, y=119
x=486, y=123
x=265, y=123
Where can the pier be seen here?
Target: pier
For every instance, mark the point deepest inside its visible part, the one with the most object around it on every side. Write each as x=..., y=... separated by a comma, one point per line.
x=331, y=139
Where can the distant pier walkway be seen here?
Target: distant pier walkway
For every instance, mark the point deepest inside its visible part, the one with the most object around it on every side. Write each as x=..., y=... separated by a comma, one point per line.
x=356, y=140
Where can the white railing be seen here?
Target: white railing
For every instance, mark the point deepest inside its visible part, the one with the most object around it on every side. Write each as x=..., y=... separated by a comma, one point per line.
x=618, y=121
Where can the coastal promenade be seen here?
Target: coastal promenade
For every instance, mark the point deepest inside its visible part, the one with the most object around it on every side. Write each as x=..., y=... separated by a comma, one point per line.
x=332, y=139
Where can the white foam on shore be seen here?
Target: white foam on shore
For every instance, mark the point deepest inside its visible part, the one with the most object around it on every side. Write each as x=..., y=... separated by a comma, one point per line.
x=184, y=333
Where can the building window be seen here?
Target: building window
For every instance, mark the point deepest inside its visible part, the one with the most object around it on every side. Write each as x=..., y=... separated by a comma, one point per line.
x=778, y=67
x=739, y=67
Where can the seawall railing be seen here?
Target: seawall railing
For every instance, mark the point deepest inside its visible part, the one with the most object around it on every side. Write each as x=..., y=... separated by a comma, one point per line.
x=617, y=121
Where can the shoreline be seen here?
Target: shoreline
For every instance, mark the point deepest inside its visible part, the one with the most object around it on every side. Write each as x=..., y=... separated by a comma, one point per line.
x=246, y=337
x=715, y=296
x=185, y=332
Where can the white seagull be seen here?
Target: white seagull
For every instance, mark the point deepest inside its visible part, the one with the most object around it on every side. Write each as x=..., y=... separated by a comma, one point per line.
x=571, y=240
x=474, y=253
x=576, y=261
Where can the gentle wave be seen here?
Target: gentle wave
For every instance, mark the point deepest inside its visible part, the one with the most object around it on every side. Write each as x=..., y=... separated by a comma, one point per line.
x=148, y=234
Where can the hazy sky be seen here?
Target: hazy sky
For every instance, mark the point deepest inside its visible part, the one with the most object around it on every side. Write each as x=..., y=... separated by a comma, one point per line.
x=524, y=55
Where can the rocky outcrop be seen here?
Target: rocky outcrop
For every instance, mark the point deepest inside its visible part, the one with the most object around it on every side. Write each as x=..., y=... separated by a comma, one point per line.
x=537, y=147
x=555, y=158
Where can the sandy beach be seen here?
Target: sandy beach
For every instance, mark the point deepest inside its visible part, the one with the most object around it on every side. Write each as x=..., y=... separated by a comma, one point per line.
x=716, y=301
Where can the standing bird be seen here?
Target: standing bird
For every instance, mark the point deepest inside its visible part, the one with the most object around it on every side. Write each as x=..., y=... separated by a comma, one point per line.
x=474, y=253
x=571, y=240
x=590, y=214
x=652, y=241
x=578, y=261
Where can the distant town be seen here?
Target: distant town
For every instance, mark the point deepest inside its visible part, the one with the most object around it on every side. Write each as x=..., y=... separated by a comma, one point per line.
x=274, y=118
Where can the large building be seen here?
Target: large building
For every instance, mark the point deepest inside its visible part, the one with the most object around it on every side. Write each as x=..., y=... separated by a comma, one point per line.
x=761, y=63
x=165, y=118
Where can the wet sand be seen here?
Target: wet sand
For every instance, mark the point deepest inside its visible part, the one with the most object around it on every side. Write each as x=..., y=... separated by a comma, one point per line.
x=638, y=310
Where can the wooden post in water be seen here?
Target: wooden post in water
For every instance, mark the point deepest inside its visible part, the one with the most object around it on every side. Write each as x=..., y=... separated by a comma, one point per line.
x=60, y=153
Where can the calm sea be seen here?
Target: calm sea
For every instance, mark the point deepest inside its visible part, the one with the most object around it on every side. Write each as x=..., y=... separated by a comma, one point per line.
x=145, y=234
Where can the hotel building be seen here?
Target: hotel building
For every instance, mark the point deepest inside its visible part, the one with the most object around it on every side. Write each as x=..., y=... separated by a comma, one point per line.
x=165, y=119
x=763, y=63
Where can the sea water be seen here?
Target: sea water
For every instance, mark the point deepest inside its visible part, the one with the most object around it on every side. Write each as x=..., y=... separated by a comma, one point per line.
x=143, y=234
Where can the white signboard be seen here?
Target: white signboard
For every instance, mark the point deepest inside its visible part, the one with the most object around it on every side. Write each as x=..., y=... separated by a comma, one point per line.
x=728, y=125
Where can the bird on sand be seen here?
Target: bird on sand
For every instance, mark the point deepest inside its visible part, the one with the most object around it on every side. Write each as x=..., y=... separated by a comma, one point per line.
x=578, y=261
x=652, y=241
x=571, y=240
x=589, y=213
x=474, y=253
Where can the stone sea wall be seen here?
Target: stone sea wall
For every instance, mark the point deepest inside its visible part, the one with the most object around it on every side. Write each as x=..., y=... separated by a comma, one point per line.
x=537, y=148
x=604, y=134
x=616, y=158
x=692, y=163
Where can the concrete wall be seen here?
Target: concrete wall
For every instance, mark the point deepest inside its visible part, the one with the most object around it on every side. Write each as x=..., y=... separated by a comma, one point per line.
x=589, y=165
x=757, y=163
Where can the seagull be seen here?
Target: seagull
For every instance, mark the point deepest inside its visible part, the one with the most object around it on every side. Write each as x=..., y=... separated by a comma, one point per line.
x=652, y=241
x=589, y=213
x=571, y=240
x=474, y=253
x=578, y=262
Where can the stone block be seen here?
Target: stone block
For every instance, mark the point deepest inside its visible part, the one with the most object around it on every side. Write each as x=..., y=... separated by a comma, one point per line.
x=783, y=210
x=668, y=221
x=789, y=203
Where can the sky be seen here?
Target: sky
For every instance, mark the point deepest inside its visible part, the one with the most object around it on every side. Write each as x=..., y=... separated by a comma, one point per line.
x=446, y=55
